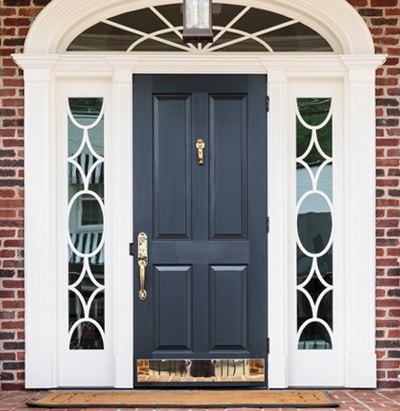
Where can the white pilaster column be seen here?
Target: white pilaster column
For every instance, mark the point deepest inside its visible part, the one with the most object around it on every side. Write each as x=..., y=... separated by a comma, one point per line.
x=359, y=250
x=40, y=226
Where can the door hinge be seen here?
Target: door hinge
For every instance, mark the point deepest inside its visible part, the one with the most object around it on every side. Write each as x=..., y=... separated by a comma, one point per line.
x=267, y=104
x=132, y=249
x=267, y=345
x=267, y=225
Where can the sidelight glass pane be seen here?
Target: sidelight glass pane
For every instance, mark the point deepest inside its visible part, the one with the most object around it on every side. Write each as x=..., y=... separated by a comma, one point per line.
x=314, y=223
x=86, y=223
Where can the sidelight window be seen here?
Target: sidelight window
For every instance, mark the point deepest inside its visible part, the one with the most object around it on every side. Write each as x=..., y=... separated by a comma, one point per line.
x=86, y=223
x=314, y=223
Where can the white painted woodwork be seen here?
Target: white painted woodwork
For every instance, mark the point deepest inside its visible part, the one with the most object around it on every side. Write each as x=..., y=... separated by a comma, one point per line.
x=51, y=75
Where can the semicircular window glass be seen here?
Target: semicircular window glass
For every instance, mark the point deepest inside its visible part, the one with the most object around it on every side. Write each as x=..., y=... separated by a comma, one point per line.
x=235, y=27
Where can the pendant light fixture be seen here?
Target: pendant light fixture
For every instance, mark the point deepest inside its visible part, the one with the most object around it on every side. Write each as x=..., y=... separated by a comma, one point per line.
x=197, y=21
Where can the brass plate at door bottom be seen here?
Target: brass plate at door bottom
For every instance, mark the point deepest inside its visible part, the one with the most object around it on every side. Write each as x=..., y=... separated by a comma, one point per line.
x=201, y=370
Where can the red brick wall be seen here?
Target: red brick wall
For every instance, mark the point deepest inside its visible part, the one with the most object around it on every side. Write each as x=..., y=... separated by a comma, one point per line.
x=15, y=18
x=382, y=16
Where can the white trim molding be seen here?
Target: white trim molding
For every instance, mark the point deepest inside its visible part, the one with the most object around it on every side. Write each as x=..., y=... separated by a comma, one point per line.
x=48, y=69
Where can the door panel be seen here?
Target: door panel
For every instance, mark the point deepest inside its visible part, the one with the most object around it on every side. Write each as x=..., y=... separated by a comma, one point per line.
x=173, y=315
x=206, y=280
x=172, y=174
x=228, y=308
x=228, y=167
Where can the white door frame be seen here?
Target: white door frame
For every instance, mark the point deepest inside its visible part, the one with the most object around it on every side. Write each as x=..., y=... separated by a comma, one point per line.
x=49, y=74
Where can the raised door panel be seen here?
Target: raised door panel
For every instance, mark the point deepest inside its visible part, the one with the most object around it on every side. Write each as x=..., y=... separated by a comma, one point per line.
x=172, y=174
x=173, y=308
x=228, y=309
x=228, y=168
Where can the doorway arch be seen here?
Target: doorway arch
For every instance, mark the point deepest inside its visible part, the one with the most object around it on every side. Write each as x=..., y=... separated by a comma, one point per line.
x=51, y=74
x=60, y=22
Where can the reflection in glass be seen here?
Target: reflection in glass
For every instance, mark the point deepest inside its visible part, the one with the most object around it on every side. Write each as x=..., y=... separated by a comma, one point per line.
x=86, y=223
x=86, y=336
x=308, y=340
x=314, y=223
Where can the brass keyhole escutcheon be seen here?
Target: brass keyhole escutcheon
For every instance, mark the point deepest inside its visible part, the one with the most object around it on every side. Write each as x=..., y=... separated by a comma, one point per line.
x=200, y=145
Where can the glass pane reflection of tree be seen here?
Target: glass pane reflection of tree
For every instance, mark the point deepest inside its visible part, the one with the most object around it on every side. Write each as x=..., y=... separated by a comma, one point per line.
x=314, y=223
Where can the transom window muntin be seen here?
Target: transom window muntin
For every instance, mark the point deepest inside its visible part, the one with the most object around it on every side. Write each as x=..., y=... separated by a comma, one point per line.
x=236, y=28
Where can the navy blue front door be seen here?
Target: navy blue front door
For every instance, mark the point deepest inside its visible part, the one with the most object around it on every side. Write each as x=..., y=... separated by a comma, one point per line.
x=200, y=196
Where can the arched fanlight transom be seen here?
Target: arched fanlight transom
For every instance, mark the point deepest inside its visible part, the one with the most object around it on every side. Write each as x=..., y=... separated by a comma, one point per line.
x=235, y=27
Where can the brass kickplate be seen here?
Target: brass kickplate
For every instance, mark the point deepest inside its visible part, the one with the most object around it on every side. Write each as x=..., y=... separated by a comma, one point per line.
x=201, y=370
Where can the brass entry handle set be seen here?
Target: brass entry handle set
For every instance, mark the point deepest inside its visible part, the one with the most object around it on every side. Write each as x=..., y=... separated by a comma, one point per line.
x=143, y=260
